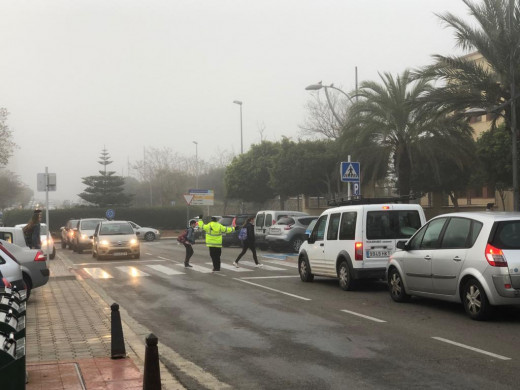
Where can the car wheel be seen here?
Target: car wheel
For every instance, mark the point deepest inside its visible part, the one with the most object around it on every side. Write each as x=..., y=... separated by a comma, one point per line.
x=53, y=254
x=396, y=286
x=296, y=243
x=475, y=301
x=345, y=277
x=28, y=284
x=149, y=236
x=305, y=270
x=137, y=256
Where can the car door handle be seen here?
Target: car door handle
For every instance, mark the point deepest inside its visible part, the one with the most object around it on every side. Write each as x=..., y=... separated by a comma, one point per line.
x=322, y=244
x=457, y=258
x=427, y=257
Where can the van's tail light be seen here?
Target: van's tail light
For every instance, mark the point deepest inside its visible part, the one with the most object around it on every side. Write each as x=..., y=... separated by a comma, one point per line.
x=40, y=256
x=495, y=256
x=358, y=253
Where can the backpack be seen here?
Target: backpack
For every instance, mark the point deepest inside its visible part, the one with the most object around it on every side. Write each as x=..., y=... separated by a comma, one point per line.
x=182, y=238
x=242, y=234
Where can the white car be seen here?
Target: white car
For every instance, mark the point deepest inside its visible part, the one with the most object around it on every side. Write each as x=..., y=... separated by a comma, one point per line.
x=51, y=251
x=146, y=233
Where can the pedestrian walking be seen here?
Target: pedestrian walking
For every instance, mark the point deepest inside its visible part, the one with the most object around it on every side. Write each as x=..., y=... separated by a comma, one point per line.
x=31, y=231
x=190, y=240
x=214, y=232
x=248, y=242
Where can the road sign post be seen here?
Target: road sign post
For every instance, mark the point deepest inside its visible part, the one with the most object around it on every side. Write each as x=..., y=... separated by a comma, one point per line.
x=350, y=172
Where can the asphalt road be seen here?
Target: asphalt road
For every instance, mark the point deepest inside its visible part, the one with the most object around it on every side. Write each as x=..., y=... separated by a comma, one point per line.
x=265, y=329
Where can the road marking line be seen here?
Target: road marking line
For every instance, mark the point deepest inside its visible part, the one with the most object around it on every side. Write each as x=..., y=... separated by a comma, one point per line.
x=291, y=265
x=273, y=289
x=363, y=316
x=97, y=273
x=472, y=348
x=270, y=277
x=132, y=271
x=232, y=268
x=165, y=270
x=197, y=268
x=266, y=267
x=164, y=258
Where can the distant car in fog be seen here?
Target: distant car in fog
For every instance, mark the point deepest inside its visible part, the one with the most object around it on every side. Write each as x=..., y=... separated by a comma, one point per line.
x=145, y=233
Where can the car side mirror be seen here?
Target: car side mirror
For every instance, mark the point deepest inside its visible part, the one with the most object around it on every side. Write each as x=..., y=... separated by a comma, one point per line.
x=311, y=240
x=306, y=236
x=401, y=245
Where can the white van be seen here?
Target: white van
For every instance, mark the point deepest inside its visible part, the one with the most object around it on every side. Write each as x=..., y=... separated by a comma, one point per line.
x=265, y=219
x=354, y=242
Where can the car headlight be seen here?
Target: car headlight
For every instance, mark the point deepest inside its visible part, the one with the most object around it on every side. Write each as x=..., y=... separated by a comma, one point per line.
x=103, y=243
x=134, y=242
x=84, y=236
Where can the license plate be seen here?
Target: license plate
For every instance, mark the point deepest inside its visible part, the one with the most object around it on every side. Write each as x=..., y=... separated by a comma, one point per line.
x=378, y=253
x=274, y=231
x=119, y=253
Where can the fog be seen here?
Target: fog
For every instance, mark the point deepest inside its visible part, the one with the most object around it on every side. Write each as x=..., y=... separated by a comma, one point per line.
x=78, y=76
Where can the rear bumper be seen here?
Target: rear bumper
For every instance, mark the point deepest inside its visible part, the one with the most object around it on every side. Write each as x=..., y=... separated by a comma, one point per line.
x=369, y=273
x=499, y=281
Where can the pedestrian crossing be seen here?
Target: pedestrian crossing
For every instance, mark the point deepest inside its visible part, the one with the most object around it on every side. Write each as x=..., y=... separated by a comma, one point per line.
x=174, y=269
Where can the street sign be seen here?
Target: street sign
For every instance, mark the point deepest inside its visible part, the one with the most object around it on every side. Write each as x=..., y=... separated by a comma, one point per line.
x=188, y=198
x=110, y=214
x=202, y=197
x=350, y=172
x=46, y=182
x=356, y=189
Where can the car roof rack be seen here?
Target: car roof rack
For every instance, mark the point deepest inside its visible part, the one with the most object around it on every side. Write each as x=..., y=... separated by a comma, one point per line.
x=360, y=200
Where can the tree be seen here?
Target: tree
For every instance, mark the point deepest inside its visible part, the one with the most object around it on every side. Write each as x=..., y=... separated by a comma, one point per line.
x=320, y=121
x=106, y=189
x=247, y=177
x=12, y=191
x=388, y=130
x=6, y=138
x=479, y=84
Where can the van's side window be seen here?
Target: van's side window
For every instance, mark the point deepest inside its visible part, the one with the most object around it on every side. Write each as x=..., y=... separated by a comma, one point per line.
x=260, y=220
x=348, y=226
x=332, y=231
x=318, y=232
x=6, y=236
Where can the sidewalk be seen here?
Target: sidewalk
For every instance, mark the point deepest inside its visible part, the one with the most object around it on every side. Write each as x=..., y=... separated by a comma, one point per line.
x=68, y=341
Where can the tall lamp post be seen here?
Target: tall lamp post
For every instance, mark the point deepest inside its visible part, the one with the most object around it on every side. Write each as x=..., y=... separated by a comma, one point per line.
x=196, y=163
x=318, y=86
x=241, y=137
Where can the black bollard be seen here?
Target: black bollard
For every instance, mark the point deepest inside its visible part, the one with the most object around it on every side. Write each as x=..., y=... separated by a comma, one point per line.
x=118, y=341
x=152, y=374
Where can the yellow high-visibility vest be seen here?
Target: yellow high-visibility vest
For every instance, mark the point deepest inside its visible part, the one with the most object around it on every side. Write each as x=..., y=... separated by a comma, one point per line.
x=214, y=232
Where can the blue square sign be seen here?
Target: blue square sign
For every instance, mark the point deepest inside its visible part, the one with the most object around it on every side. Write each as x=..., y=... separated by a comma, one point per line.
x=350, y=172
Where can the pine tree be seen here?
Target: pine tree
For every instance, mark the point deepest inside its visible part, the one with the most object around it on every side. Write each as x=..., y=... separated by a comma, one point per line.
x=106, y=189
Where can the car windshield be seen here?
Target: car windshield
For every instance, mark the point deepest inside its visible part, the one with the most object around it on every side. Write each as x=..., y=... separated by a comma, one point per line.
x=116, y=228
x=89, y=225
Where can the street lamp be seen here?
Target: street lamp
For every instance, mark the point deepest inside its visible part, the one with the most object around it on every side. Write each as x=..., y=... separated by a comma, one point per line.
x=196, y=163
x=318, y=86
x=241, y=139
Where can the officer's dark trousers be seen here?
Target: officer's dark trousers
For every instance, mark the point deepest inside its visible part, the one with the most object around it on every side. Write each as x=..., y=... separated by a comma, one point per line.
x=215, y=257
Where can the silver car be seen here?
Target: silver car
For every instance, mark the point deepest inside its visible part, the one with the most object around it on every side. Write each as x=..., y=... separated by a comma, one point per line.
x=146, y=233
x=115, y=239
x=83, y=234
x=288, y=232
x=467, y=257
x=33, y=264
x=10, y=268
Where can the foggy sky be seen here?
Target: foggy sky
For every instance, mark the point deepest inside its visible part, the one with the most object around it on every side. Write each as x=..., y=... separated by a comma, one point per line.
x=80, y=75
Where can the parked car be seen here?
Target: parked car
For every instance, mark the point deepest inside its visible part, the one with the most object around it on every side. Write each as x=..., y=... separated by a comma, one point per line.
x=288, y=233
x=265, y=219
x=115, y=239
x=83, y=233
x=33, y=263
x=467, y=257
x=11, y=269
x=146, y=233
x=67, y=233
x=231, y=239
x=14, y=235
x=50, y=249
x=354, y=242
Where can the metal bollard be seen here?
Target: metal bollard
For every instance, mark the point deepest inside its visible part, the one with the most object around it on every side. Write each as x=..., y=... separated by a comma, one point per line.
x=152, y=374
x=118, y=341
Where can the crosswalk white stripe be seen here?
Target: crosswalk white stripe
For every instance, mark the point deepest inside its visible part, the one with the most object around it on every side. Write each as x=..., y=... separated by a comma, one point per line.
x=266, y=267
x=281, y=262
x=165, y=270
x=132, y=271
x=97, y=273
x=232, y=268
x=197, y=268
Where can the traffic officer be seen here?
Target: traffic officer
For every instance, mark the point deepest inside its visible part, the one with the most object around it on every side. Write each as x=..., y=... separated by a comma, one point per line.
x=214, y=232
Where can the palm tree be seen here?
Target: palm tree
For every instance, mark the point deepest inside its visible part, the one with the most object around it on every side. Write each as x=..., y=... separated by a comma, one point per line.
x=388, y=130
x=479, y=84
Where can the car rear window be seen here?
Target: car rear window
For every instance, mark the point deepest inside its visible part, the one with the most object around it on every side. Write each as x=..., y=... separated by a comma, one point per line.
x=507, y=235
x=392, y=224
x=285, y=221
x=306, y=220
x=226, y=221
x=89, y=225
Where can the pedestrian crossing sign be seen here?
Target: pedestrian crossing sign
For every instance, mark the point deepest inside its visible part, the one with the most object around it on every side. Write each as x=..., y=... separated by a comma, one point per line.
x=350, y=172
